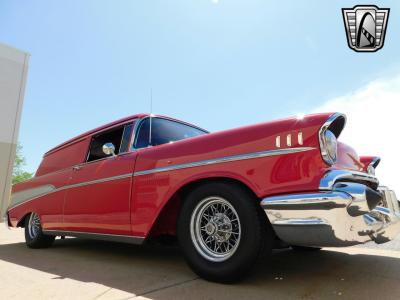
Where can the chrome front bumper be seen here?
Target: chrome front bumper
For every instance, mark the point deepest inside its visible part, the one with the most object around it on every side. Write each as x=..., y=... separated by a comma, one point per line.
x=346, y=214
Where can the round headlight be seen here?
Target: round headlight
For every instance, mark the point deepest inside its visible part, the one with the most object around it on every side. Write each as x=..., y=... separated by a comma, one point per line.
x=330, y=146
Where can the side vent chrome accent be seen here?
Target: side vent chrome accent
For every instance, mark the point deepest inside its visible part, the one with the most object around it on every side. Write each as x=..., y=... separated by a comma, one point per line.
x=278, y=141
x=300, y=138
x=289, y=140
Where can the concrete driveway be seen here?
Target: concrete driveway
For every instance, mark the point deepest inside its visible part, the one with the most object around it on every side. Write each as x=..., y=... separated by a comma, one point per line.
x=83, y=269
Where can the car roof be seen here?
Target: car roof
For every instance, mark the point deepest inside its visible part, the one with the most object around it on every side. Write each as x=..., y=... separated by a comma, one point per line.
x=110, y=125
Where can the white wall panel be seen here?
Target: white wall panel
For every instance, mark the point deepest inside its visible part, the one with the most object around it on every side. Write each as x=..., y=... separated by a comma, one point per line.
x=13, y=72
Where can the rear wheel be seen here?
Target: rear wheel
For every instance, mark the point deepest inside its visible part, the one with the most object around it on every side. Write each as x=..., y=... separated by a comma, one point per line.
x=222, y=231
x=34, y=236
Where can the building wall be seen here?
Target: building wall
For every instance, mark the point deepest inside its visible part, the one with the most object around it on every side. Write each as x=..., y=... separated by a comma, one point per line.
x=13, y=71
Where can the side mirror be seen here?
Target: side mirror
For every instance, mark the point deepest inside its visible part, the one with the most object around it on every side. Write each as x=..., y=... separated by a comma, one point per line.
x=109, y=149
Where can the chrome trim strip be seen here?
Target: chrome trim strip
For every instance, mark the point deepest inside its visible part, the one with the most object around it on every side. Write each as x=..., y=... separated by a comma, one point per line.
x=382, y=210
x=136, y=240
x=178, y=167
x=308, y=222
x=370, y=220
x=102, y=180
x=224, y=159
x=333, y=176
x=306, y=198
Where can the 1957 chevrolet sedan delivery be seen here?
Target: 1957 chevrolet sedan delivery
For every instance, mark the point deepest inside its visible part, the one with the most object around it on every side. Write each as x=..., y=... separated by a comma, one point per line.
x=228, y=196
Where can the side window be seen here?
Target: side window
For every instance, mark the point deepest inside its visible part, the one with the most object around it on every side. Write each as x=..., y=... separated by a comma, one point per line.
x=163, y=131
x=119, y=137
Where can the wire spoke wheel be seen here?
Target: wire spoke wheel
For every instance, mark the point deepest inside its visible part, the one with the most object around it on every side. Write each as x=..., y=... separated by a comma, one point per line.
x=215, y=229
x=34, y=226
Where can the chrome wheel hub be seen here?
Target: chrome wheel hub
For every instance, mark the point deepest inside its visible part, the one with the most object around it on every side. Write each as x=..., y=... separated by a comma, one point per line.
x=211, y=228
x=219, y=227
x=33, y=225
x=215, y=229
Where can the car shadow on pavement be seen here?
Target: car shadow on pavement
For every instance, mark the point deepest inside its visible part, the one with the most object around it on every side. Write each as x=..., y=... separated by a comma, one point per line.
x=160, y=272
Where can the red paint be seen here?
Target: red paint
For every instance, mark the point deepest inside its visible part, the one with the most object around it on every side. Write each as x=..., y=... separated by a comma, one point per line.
x=366, y=160
x=102, y=206
x=134, y=205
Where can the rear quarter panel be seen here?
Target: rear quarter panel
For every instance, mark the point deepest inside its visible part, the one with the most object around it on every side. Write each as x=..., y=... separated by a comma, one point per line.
x=43, y=191
x=48, y=207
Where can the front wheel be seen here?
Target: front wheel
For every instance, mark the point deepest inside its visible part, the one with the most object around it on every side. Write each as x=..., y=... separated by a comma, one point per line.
x=222, y=231
x=34, y=236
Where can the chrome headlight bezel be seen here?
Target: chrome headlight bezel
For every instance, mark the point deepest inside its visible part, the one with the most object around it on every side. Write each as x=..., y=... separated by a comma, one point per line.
x=329, y=147
x=328, y=134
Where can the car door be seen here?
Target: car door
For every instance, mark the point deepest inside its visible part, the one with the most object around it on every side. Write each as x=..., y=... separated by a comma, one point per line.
x=98, y=200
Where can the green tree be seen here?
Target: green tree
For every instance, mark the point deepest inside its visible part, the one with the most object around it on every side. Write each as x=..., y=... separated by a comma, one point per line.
x=18, y=174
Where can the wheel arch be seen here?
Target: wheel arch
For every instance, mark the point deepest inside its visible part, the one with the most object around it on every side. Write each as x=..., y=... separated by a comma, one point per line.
x=165, y=222
x=21, y=222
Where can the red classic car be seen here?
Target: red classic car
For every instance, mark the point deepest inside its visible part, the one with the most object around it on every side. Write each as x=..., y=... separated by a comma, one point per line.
x=228, y=196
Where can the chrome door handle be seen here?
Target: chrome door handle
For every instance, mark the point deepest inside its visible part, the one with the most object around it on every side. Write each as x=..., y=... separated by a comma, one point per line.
x=76, y=168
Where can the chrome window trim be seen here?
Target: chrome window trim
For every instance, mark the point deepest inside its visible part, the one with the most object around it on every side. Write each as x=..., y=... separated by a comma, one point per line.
x=136, y=240
x=134, y=133
x=136, y=123
x=140, y=121
x=321, y=134
x=122, y=139
x=81, y=165
x=137, y=128
x=102, y=132
x=179, y=167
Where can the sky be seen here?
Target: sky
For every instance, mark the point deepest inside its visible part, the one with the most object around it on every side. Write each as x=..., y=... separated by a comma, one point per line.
x=215, y=63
